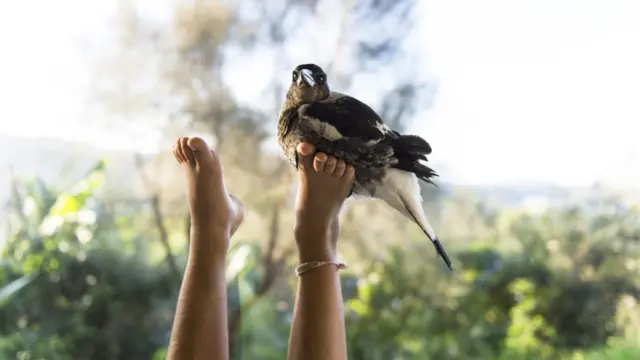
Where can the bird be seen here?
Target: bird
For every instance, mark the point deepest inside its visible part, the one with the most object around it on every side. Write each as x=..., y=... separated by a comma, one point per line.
x=387, y=164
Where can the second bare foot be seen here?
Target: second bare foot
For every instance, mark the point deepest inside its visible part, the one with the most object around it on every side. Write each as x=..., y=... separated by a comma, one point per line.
x=212, y=207
x=325, y=183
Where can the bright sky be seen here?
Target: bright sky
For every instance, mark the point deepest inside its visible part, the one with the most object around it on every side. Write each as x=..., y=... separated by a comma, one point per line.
x=528, y=91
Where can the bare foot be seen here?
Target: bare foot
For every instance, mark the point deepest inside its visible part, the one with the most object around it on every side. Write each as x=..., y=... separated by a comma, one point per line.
x=212, y=207
x=325, y=183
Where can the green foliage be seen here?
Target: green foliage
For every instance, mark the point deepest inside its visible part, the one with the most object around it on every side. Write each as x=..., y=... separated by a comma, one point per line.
x=528, y=331
x=566, y=288
x=616, y=351
x=531, y=304
x=70, y=297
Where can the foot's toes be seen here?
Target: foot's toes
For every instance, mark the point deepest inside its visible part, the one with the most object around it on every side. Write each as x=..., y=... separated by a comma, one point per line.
x=201, y=153
x=305, y=149
x=186, y=151
x=349, y=174
x=330, y=165
x=197, y=144
x=341, y=166
x=305, y=155
x=176, y=154
x=177, y=151
x=319, y=162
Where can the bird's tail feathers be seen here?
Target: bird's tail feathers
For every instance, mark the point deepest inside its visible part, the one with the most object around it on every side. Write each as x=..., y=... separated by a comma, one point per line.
x=412, y=144
x=410, y=150
x=428, y=230
x=423, y=172
x=401, y=190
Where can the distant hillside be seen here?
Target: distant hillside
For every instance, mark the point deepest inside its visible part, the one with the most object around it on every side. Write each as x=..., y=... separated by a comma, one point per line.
x=514, y=195
x=58, y=161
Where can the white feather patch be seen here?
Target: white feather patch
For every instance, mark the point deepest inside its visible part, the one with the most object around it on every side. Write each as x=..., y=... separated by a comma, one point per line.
x=400, y=188
x=384, y=128
x=324, y=129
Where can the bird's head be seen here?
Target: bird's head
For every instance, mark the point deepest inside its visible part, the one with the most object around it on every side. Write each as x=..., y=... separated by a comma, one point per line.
x=308, y=84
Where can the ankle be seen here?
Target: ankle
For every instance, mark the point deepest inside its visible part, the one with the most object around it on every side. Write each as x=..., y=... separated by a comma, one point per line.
x=312, y=222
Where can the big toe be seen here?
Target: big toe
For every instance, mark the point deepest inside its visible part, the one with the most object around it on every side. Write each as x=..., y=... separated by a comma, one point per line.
x=305, y=149
x=198, y=144
x=305, y=155
x=205, y=157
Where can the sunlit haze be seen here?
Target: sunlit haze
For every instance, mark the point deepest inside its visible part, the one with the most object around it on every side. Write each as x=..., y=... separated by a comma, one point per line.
x=527, y=91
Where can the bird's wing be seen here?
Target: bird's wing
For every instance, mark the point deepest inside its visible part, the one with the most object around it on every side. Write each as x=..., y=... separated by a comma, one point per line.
x=349, y=130
x=344, y=116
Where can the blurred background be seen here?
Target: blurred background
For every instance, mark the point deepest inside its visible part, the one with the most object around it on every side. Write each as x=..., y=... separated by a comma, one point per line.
x=531, y=108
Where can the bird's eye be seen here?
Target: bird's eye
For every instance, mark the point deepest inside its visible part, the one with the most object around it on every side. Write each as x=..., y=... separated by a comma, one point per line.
x=321, y=78
x=294, y=76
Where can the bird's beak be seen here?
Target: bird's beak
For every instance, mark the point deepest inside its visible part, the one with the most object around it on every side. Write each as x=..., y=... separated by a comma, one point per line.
x=307, y=76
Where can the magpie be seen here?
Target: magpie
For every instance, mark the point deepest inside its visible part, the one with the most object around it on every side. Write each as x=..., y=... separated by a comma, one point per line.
x=387, y=164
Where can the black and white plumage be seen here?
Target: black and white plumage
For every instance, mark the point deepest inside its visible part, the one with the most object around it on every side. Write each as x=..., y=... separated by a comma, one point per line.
x=387, y=163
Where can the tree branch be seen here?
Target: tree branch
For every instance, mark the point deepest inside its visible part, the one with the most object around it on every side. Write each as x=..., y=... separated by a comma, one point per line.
x=270, y=266
x=158, y=217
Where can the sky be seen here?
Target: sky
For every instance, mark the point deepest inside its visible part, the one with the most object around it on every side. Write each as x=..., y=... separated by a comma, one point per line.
x=527, y=91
